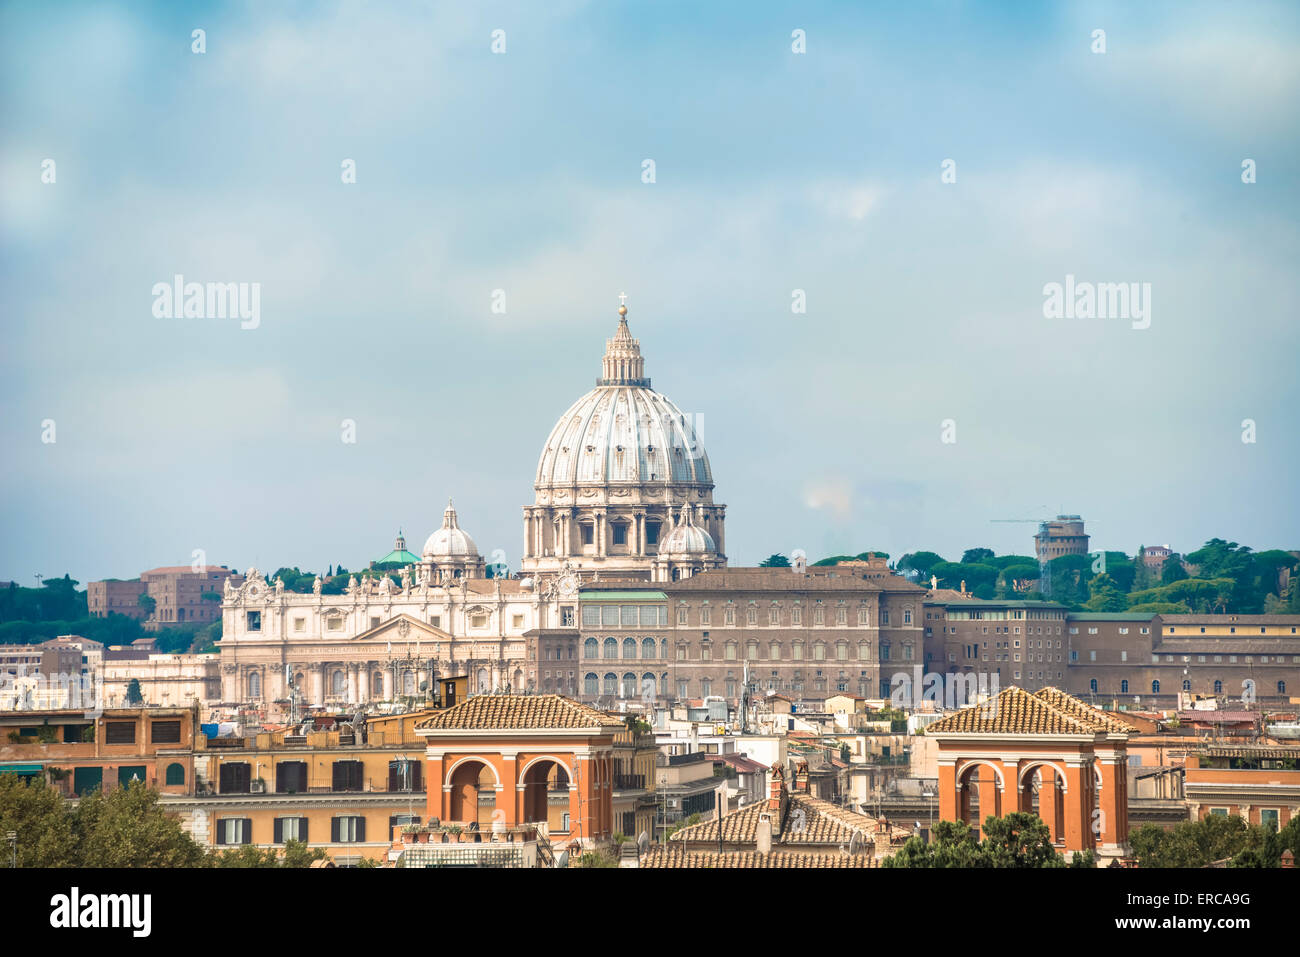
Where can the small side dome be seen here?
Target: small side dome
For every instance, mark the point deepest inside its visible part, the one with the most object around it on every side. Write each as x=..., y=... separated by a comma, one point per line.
x=450, y=541
x=687, y=538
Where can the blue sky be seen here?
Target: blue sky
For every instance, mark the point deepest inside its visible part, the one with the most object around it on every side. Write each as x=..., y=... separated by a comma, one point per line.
x=522, y=172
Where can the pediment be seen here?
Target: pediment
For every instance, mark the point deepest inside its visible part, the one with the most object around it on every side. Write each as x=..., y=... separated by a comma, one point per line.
x=402, y=628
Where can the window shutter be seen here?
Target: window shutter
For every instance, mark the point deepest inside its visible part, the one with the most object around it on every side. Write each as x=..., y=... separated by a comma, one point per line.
x=361, y=828
x=277, y=836
x=334, y=830
x=221, y=831
x=302, y=829
x=394, y=775
x=415, y=776
x=338, y=775
x=248, y=831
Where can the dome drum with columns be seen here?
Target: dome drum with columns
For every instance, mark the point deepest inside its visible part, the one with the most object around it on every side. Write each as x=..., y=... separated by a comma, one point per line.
x=621, y=470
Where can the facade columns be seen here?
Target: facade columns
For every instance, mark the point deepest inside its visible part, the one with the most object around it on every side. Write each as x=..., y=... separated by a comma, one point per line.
x=1078, y=810
x=511, y=790
x=990, y=795
x=949, y=795
x=363, y=686
x=435, y=792
x=1049, y=796
x=1114, y=804
x=317, y=678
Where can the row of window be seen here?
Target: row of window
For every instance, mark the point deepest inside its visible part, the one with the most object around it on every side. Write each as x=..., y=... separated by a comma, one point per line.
x=648, y=685
x=1187, y=686
x=235, y=777
x=344, y=829
x=160, y=732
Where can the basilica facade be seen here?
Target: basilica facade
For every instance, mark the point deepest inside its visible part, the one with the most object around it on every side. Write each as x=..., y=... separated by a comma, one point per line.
x=623, y=491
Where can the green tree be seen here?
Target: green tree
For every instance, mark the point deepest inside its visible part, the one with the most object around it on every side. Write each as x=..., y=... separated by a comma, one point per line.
x=775, y=560
x=1105, y=595
x=1172, y=570
x=147, y=603
x=973, y=556
x=133, y=695
x=1020, y=839
x=127, y=828
x=35, y=812
x=920, y=562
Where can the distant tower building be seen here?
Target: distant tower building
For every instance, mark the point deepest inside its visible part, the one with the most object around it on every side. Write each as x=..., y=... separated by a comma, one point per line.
x=1063, y=536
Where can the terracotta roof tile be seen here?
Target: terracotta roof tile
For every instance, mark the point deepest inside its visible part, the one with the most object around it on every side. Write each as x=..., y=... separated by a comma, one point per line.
x=807, y=821
x=518, y=712
x=1074, y=707
x=1016, y=711
x=676, y=857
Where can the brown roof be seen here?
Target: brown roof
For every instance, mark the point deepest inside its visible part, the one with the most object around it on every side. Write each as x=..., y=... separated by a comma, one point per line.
x=1210, y=619
x=518, y=712
x=677, y=857
x=187, y=570
x=1073, y=706
x=807, y=821
x=1016, y=711
x=788, y=580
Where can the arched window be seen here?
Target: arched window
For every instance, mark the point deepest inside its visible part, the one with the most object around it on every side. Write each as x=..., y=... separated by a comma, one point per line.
x=611, y=648
x=663, y=648
x=1155, y=687
x=907, y=615
x=591, y=684
x=590, y=648
x=649, y=685
x=1187, y=684
x=1123, y=686
x=611, y=684
x=629, y=647
x=175, y=773
x=1218, y=686
x=338, y=682
x=648, y=648
x=1281, y=687
x=255, y=685
x=629, y=685
x=1092, y=685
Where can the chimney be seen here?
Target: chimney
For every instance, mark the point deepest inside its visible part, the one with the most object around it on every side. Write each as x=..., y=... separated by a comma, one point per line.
x=763, y=834
x=801, y=778
x=774, y=788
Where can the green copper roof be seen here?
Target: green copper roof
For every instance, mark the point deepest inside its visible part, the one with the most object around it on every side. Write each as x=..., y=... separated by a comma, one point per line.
x=398, y=558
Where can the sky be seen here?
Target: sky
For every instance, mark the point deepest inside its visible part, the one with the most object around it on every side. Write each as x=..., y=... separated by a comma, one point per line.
x=922, y=395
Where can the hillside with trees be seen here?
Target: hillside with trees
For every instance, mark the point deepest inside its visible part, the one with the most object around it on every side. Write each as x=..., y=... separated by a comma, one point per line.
x=1219, y=577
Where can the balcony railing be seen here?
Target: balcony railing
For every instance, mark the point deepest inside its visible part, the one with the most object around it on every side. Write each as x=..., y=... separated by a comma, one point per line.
x=629, y=782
